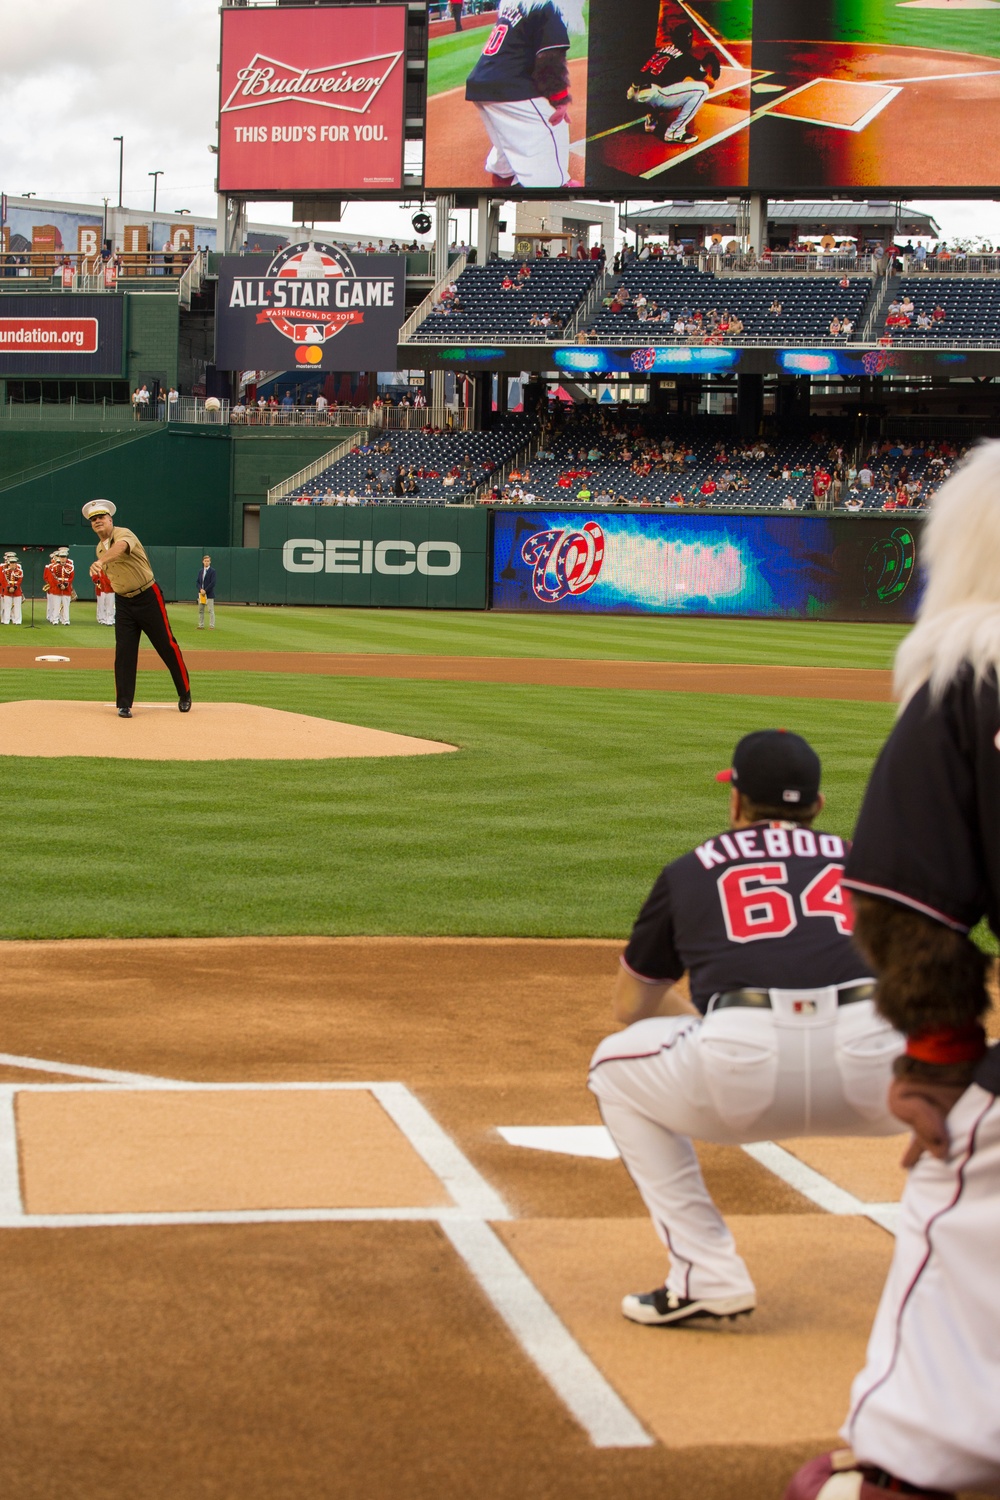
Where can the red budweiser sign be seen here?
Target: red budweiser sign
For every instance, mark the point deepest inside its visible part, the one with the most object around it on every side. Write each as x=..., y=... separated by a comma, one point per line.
x=312, y=100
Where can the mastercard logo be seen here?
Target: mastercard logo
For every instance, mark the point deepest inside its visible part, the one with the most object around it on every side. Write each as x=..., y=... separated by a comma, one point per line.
x=308, y=354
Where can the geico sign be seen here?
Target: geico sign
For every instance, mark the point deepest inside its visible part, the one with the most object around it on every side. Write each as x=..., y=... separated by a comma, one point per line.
x=309, y=555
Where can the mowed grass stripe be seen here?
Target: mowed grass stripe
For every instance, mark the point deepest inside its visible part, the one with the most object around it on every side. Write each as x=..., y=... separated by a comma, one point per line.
x=551, y=821
x=819, y=643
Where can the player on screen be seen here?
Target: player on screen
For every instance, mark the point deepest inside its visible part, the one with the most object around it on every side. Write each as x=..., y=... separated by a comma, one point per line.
x=521, y=88
x=674, y=84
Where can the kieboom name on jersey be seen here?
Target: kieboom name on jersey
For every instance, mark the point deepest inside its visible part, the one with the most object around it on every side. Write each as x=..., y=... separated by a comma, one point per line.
x=779, y=842
x=280, y=291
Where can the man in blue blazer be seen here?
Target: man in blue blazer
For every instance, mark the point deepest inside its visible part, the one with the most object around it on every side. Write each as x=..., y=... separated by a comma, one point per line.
x=206, y=593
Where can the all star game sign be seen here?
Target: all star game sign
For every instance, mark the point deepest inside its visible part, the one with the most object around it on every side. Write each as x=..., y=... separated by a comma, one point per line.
x=312, y=306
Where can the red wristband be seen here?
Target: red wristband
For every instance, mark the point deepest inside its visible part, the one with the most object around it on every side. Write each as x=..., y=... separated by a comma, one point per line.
x=954, y=1044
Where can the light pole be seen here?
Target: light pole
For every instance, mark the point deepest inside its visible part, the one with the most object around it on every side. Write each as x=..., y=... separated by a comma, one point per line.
x=121, y=164
x=155, y=176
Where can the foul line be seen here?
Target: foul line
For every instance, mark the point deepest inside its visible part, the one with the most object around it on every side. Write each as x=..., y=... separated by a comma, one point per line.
x=819, y=1189
x=540, y=1333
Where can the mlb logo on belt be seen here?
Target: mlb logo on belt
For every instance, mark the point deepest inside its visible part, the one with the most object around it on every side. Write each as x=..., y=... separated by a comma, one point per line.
x=804, y=1007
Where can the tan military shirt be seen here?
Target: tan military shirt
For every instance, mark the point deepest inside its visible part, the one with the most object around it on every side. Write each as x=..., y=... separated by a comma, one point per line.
x=131, y=571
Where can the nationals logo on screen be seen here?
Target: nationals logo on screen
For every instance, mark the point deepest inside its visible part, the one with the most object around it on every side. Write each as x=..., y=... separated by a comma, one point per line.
x=310, y=305
x=564, y=562
x=309, y=99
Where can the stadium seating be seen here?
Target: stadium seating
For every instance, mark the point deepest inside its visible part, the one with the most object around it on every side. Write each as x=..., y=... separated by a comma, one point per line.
x=429, y=455
x=808, y=303
x=971, y=305
x=488, y=313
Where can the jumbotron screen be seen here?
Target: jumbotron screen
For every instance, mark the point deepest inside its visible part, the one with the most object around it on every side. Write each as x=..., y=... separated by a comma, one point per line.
x=648, y=96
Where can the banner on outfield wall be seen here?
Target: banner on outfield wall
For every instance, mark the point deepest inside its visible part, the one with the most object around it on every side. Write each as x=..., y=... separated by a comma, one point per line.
x=415, y=557
x=311, y=306
x=791, y=567
x=312, y=98
x=61, y=335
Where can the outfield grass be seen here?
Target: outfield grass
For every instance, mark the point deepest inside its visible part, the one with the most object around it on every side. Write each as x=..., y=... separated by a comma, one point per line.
x=551, y=821
x=819, y=643
x=452, y=56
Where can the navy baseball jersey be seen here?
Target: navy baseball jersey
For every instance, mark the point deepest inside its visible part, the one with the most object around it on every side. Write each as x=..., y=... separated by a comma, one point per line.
x=760, y=907
x=504, y=72
x=928, y=834
x=670, y=65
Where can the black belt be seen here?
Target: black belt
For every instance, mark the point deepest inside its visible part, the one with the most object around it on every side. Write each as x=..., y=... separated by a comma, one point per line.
x=136, y=592
x=847, y=994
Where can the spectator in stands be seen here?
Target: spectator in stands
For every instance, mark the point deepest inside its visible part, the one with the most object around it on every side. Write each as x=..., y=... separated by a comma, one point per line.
x=846, y=327
x=938, y=315
x=854, y=501
x=524, y=272
x=789, y=503
x=906, y=305
x=776, y=308
x=507, y=284
x=924, y=321
x=835, y=327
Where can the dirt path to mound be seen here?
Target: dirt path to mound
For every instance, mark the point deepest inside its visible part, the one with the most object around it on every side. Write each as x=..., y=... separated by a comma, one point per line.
x=645, y=676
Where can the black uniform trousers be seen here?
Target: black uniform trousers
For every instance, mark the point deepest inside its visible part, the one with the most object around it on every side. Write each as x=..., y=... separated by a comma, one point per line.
x=145, y=613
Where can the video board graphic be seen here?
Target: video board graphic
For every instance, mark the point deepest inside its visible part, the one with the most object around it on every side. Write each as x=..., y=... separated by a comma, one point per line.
x=311, y=100
x=714, y=94
x=63, y=334
x=791, y=567
x=311, y=307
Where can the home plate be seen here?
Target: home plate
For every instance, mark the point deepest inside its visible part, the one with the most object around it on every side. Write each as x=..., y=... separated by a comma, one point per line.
x=566, y=1140
x=52, y=658
x=211, y=731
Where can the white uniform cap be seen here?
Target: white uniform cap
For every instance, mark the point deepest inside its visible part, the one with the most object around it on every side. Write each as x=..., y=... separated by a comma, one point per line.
x=61, y=552
x=98, y=508
x=10, y=557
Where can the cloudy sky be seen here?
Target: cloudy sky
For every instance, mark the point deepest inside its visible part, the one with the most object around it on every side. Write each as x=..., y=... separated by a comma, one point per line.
x=73, y=76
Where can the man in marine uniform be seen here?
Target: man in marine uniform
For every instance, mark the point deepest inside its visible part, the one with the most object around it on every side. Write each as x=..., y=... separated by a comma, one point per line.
x=11, y=578
x=778, y=1039
x=139, y=610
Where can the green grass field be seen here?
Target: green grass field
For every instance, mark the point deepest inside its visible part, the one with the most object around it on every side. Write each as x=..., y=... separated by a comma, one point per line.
x=452, y=57
x=819, y=643
x=551, y=820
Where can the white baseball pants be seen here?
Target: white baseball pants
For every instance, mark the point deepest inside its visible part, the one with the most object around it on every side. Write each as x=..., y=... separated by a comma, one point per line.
x=525, y=146
x=925, y=1406
x=686, y=98
x=805, y=1067
x=10, y=609
x=62, y=609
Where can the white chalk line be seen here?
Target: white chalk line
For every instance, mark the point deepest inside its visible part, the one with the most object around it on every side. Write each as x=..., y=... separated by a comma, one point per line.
x=539, y=1332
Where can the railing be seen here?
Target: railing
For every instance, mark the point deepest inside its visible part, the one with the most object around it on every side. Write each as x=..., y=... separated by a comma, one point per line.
x=791, y=263
x=17, y=266
x=427, y=306
x=521, y=460
x=58, y=414
x=191, y=281
x=953, y=263
x=313, y=470
x=586, y=309
x=385, y=418
x=879, y=303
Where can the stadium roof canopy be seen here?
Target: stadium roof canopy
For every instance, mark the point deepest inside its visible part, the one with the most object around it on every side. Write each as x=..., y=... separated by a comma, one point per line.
x=806, y=218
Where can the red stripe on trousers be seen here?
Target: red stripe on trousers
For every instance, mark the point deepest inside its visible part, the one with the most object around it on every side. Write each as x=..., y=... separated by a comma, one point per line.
x=170, y=636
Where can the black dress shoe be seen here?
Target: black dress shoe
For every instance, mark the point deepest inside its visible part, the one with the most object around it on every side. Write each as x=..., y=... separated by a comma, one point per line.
x=124, y=713
x=184, y=704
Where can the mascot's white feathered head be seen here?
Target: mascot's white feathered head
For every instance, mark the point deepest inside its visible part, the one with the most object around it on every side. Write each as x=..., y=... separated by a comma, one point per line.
x=570, y=10
x=959, y=615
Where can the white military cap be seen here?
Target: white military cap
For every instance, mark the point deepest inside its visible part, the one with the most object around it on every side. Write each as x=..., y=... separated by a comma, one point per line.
x=10, y=557
x=98, y=508
x=61, y=552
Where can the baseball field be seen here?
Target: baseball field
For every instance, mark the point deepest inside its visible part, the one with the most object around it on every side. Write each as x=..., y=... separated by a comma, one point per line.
x=301, y=1190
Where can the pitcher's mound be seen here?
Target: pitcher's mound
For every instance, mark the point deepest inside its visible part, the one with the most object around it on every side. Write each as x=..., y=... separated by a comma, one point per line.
x=211, y=731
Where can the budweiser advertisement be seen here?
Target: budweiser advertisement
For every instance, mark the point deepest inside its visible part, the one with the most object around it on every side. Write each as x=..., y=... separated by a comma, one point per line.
x=311, y=100
x=311, y=307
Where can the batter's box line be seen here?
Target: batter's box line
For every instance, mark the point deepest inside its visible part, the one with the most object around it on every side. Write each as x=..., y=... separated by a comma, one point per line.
x=541, y=1335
